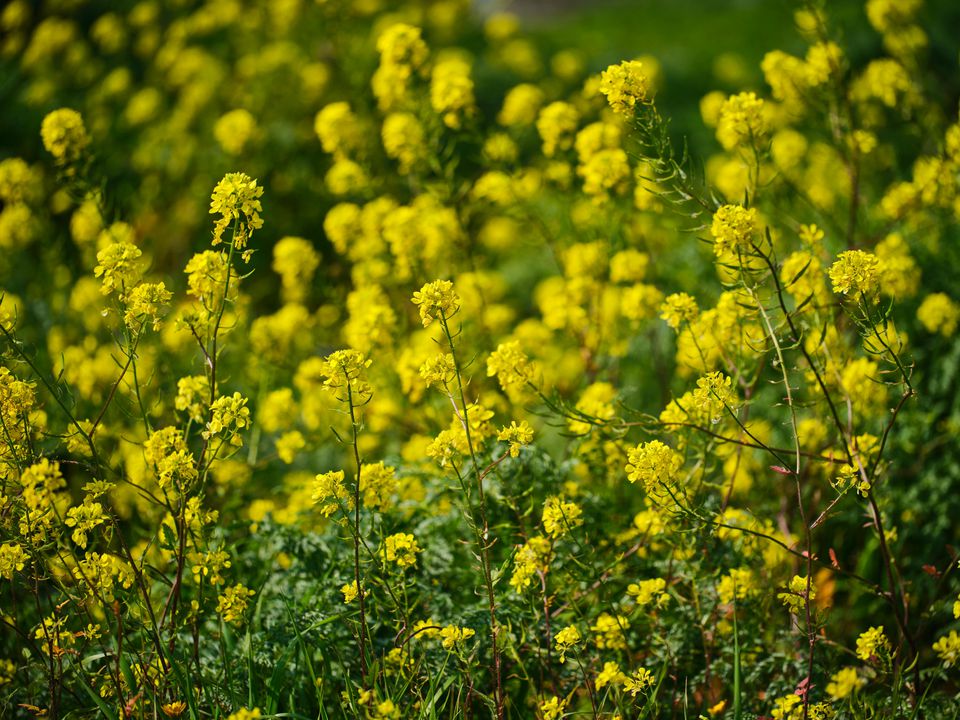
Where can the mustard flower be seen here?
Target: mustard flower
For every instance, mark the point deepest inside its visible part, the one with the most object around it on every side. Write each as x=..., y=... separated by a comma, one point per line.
x=566, y=640
x=402, y=549
x=611, y=675
x=146, y=303
x=438, y=370
x=296, y=261
x=451, y=91
x=605, y=173
x=517, y=435
x=402, y=44
x=245, y=714
x=938, y=313
x=741, y=121
x=12, y=559
x=84, y=518
x=795, y=596
x=403, y=139
x=560, y=516
x=167, y=453
x=521, y=105
x=345, y=373
x=232, y=604
x=649, y=592
x=678, y=309
x=193, y=394
x=289, y=444
x=230, y=414
x=350, y=592
x=531, y=558
x=117, y=264
x=339, y=129
x=655, y=465
x=608, y=631
x=207, y=277
x=855, y=272
x=19, y=183
x=738, y=584
x=714, y=396
x=64, y=135
x=625, y=86
x=640, y=681
x=510, y=365
x=378, y=482
x=844, y=683
x=873, y=644
x=557, y=123
x=733, y=228
x=329, y=489
x=553, y=709
x=235, y=130
x=236, y=198
x=947, y=649
x=436, y=298
x=453, y=636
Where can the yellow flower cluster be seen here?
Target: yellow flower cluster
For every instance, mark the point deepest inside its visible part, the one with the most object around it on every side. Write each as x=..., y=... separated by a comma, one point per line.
x=625, y=86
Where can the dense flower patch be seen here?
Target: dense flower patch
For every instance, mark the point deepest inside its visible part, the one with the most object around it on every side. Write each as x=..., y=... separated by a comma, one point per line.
x=368, y=361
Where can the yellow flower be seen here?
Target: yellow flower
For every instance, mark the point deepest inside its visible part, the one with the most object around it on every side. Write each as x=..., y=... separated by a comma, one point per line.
x=610, y=675
x=517, y=435
x=855, y=272
x=560, y=516
x=64, y=135
x=438, y=370
x=350, y=592
x=146, y=303
x=236, y=198
x=873, y=644
x=345, y=373
x=511, y=366
x=714, y=396
x=553, y=708
x=608, y=630
x=117, y=264
x=947, y=649
x=229, y=414
x=245, y=714
x=741, y=121
x=557, y=123
x=403, y=139
x=678, y=309
x=232, y=604
x=452, y=636
x=235, y=130
x=174, y=709
x=435, y=299
x=625, y=86
x=402, y=548
x=521, y=105
x=939, y=314
x=328, y=488
x=451, y=91
x=656, y=466
x=639, y=681
x=844, y=683
x=12, y=559
x=795, y=596
x=566, y=639
x=652, y=591
x=733, y=229
x=338, y=129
